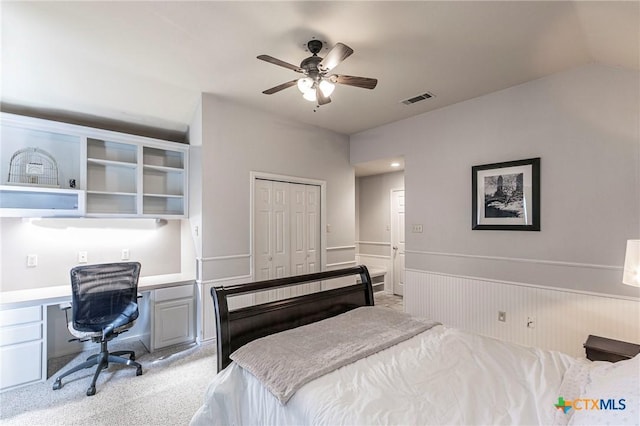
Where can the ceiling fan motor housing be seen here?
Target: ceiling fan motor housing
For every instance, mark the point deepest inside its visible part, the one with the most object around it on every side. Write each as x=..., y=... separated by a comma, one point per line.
x=310, y=66
x=314, y=46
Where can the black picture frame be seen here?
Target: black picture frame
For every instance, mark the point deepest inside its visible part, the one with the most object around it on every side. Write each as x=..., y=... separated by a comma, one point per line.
x=506, y=196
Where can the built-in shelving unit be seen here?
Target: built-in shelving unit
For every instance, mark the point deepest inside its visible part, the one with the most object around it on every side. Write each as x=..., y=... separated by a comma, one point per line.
x=111, y=178
x=163, y=181
x=101, y=173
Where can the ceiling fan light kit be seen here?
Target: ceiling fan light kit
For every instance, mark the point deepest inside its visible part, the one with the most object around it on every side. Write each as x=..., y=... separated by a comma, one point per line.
x=316, y=85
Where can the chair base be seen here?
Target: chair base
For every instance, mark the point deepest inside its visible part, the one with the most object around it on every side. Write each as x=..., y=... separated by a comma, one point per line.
x=102, y=360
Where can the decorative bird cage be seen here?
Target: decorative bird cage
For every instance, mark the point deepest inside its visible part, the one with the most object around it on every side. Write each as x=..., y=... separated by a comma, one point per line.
x=33, y=166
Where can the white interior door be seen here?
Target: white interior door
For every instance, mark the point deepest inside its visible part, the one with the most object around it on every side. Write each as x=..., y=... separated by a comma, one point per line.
x=281, y=230
x=397, y=240
x=286, y=234
x=272, y=234
x=305, y=226
x=262, y=229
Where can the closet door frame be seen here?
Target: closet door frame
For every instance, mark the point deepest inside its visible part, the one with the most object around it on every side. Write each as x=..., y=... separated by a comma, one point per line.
x=290, y=179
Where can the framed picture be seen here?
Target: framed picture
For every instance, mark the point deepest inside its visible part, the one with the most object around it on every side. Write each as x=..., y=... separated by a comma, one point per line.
x=506, y=196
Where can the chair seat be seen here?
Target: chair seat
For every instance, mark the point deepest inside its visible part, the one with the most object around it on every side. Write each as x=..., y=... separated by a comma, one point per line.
x=95, y=334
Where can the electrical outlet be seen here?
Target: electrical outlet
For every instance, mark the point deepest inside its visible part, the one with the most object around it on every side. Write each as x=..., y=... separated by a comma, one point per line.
x=32, y=260
x=531, y=322
x=125, y=254
x=82, y=257
x=417, y=228
x=502, y=316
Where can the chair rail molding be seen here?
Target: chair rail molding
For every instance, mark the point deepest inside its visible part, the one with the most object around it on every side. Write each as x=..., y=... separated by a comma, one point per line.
x=516, y=259
x=374, y=243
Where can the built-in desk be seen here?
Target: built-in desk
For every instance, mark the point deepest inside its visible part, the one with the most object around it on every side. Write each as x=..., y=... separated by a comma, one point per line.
x=32, y=327
x=62, y=293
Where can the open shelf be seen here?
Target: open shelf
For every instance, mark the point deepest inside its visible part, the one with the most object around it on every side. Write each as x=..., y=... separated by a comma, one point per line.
x=163, y=158
x=112, y=151
x=163, y=206
x=111, y=203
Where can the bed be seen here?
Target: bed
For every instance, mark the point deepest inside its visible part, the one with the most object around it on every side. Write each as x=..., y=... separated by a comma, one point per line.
x=333, y=358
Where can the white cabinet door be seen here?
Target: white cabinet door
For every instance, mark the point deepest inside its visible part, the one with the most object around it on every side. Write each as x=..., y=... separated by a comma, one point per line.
x=20, y=364
x=173, y=322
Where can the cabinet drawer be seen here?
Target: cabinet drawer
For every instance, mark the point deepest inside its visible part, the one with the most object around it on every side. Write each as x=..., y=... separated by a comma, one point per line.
x=20, y=333
x=171, y=293
x=20, y=316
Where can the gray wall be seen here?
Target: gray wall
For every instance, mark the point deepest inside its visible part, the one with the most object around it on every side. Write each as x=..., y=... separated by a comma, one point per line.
x=583, y=123
x=374, y=210
x=235, y=140
x=159, y=247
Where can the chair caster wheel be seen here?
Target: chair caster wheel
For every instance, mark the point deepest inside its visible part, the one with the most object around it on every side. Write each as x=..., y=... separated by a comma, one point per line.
x=57, y=384
x=139, y=371
x=91, y=391
x=132, y=357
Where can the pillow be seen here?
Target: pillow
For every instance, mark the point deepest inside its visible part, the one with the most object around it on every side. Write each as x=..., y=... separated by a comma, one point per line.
x=573, y=383
x=611, y=395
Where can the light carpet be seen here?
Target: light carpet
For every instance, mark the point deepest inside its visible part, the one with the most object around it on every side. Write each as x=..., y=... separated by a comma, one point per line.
x=169, y=391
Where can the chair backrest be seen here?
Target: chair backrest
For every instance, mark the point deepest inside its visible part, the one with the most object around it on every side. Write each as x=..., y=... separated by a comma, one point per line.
x=101, y=293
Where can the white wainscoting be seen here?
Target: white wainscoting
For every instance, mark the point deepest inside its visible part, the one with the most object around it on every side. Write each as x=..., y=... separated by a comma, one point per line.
x=222, y=267
x=563, y=318
x=206, y=324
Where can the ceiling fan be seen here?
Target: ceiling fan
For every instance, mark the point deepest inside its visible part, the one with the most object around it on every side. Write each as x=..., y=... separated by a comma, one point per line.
x=316, y=85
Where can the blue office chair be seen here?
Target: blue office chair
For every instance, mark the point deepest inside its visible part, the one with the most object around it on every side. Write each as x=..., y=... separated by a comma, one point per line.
x=104, y=304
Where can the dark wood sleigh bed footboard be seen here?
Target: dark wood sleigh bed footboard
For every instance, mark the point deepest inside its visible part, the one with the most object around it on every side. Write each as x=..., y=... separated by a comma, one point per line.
x=239, y=327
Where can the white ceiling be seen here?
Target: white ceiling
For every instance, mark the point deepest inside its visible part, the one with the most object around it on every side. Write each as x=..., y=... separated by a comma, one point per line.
x=147, y=62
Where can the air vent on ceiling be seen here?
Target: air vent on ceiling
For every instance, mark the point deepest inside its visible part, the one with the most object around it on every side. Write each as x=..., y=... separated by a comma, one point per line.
x=418, y=98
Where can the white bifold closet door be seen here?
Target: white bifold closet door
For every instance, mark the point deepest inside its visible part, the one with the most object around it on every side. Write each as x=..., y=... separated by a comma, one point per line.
x=286, y=234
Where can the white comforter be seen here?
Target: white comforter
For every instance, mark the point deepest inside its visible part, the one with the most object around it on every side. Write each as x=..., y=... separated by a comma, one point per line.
x=441, y=376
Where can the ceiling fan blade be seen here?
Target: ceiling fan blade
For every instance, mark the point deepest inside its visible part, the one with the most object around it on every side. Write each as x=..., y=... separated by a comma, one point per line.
x=322, y=99
x=280, y=87
x=284, y=64
x=349, y=80
x=337, y=54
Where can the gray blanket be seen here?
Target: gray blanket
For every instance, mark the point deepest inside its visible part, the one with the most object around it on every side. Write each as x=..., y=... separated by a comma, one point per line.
x=286, y=361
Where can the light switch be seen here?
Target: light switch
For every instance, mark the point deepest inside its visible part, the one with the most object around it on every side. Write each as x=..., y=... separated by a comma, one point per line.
x=125, y=254
x=82, y=257
x=32, y=260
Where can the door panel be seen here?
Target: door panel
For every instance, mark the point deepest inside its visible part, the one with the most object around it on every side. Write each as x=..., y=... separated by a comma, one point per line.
x=262, y=229
x=298, y=237
x=312, y=231
x=398, y=240
x=286, y=234
x=281, y=250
